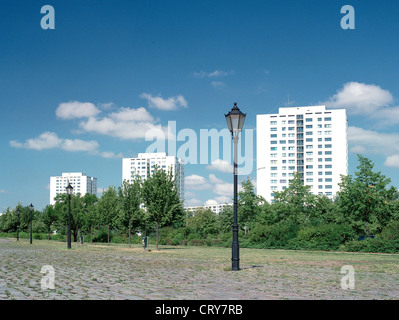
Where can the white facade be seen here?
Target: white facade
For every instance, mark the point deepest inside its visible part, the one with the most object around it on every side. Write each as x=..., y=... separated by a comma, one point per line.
x=215, y=208
x=80, y=182
x=144, y=165
x=310, y=140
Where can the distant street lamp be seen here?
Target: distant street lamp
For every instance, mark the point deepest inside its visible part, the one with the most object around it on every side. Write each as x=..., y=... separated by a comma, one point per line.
x=235, y=122
x=31, y=207
x=69, y=190
x=18, y=224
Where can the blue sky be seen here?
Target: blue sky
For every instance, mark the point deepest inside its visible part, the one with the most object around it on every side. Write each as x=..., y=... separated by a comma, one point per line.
x=79, y=97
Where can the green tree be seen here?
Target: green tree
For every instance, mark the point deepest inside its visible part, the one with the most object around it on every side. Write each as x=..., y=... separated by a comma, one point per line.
x=204, y=222
x=62, y=212
x=108, y=208
x=48, y=218
x=226, y=218
x=161, y=200
x=365, y=198
x=295, y=202
x=89, y=213
x=248, y=205
x=130, y=199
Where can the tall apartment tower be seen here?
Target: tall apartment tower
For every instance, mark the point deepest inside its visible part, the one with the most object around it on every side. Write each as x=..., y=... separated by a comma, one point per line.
x=144, y=164
x=80, y=182
x=309, y=140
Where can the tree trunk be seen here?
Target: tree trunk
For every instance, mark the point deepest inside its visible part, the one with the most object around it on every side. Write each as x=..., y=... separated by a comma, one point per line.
x=130, y=233
x=91, y=227
x=108, y=233
x=157, y=235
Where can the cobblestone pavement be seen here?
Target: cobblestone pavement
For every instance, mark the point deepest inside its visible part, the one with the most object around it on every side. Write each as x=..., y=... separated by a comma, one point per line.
x=101, y=272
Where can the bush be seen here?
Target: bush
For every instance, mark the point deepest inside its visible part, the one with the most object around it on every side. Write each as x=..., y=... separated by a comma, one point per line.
x=58, y=237
x=273, y=236
x=372, y=245
x=102, y=236
x=391, y=231
x=323, y=237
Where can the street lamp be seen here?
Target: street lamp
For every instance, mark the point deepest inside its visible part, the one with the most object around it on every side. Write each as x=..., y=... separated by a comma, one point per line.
x=18, y=224
x=235, y=121
x=69, y=190
x=31, y=207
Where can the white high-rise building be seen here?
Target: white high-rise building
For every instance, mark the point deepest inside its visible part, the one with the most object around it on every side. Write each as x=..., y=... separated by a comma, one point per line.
x=144, y=164
x=80, y=182
x=309, y=140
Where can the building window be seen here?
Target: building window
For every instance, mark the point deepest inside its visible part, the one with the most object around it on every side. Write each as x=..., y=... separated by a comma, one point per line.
x=273, y=123
x=273, y=135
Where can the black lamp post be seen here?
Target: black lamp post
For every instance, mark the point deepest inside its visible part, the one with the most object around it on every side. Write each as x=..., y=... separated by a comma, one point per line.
x=18, y=224
x=235, y=121
x=69, y=190
x=31, y=207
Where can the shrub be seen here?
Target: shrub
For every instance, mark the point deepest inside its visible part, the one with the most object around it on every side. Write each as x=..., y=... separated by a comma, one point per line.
x=391, y=231
x=372, y=245
x=324, y=237
x=273, y=236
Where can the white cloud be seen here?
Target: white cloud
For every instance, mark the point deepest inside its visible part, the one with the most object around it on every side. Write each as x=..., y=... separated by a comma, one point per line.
x=217, y=84
x=111, y=155
x=126, y=124
x=392, y=161
x=196, y=182
x=223, y=199
x=214, y=179
x=373, y=141
x=360, y=98
x=50, y=140
x=211, y=202
x=223, y=189
x=171, y=103
x=127, y=114
x=76, y=109
x=387, y=116
x=214, y=74
x=47, y=140
x=79, y=145
x=221, y=165
x=3, y=191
